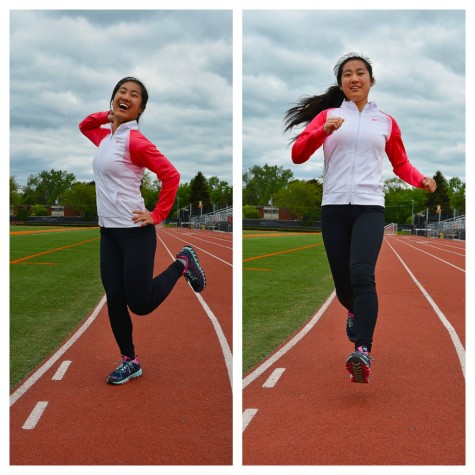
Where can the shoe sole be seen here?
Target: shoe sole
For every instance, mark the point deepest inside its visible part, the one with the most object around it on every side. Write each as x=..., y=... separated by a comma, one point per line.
x=135, y=375
x=359, y=372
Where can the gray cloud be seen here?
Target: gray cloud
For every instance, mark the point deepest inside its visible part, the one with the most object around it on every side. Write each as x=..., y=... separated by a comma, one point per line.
x=419, y=65
x=64, y=65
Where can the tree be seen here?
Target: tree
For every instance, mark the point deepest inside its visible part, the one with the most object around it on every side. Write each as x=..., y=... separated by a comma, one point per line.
x=81, y=197
x=456, y=189
x=262, y=183
x=221, y=193
x=150, y=190
x=199, y=192
x=46, y=187
x=15, y=192
x=250, y=212
x=440, y=197
x=401, y=200
x=302, y=198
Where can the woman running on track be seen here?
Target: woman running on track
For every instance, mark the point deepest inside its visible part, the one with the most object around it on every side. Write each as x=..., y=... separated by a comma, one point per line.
x=128, y=236
x=355, y=136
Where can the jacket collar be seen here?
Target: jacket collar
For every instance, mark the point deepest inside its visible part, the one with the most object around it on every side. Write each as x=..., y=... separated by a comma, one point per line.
x=350, y=105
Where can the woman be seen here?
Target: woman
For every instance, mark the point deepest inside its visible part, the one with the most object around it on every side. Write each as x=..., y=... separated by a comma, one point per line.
x=128, y=236
x=355, y=136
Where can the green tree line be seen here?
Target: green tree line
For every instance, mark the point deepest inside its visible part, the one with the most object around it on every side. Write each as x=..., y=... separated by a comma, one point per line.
x=58, y=187
x=275, y=185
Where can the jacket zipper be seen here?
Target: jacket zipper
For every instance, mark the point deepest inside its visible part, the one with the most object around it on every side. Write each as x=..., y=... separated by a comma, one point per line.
x=353, y=165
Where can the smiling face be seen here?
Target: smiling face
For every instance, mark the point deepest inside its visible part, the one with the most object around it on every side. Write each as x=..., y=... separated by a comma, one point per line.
x=356, y=82
x=127, y=102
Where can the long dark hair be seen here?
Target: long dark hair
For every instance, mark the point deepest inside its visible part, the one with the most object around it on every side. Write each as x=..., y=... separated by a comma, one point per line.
x=144, y=92
x=309, y=107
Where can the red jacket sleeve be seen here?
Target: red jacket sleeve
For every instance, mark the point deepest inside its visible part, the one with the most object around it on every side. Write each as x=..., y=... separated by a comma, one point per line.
x=396, y=152
x=145, y=154
x=91, y=127
x=311, y=139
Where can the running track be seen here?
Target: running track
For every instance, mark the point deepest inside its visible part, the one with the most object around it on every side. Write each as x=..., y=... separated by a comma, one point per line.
x=299, y=407
x=179, y=412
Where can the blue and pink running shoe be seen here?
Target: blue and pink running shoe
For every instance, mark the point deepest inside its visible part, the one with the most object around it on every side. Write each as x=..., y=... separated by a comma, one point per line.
x=128, y=369
x=193, y=272
x=350, y=327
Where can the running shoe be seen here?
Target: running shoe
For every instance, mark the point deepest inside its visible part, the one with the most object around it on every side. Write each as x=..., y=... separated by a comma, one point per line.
x=128, y=369
x=193, y=272
x=358, y=365
x=350, y=327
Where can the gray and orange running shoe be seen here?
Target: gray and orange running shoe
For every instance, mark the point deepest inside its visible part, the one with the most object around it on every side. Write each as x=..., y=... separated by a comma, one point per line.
x=358, y=365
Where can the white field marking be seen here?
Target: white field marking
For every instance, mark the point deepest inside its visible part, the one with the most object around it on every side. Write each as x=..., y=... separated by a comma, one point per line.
x=35, y=415
x=449, y=245
x=247, y=416
x=61, y=371
x=210, y=239
x=42, y=369
x=443, y=249
x=197, y=247
x=289, y=345
x=432, y=255
x=273, y=378
x=225, y=348
x=453, y=334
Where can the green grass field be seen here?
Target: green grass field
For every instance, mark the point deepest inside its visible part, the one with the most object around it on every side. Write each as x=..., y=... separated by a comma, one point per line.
x=286, y=278
x=54, y=284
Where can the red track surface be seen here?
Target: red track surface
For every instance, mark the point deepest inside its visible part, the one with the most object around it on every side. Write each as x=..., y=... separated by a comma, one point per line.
x=413, y=410
x=179, y=412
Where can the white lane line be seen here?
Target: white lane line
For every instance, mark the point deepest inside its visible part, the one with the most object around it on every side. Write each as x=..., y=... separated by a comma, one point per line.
x=225, y=348
x=209, y=239
x=200, y=248
x=35, y=415
x=453, y=334
x=61, y=371
x=432, y=255
x=273, y=378
x=42, y=369
x=247, y=416
x=289, y=345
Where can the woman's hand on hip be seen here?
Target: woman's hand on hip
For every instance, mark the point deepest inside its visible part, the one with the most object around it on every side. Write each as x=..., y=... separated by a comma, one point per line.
x=142, y=217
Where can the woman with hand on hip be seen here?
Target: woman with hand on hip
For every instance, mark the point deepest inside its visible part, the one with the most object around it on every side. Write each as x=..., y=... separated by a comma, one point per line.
x=128, y=235
x=356, y=136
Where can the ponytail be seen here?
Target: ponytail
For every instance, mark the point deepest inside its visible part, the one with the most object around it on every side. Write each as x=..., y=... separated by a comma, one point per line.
x=310, y=106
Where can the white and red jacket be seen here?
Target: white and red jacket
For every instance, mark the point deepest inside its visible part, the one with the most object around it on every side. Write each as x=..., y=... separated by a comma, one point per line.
x=119, y=165
x=353, y=154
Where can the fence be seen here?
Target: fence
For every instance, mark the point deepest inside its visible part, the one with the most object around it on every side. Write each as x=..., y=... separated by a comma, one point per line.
x=220, y=220
x=453, y=228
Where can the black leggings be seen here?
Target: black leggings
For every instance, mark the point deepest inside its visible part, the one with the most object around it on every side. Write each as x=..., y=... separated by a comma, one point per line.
x=127, y=260
x=353, y=235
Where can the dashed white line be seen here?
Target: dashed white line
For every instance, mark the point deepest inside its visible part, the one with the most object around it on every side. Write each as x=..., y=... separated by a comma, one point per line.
x=247, y=416
x=273, y=378
x=42, y=369
x=289, y=345
x=35, y=415
x=61, y=371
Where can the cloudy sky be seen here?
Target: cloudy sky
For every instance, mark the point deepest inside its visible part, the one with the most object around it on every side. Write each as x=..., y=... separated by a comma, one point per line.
x=418, y=61
x=65, y=64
